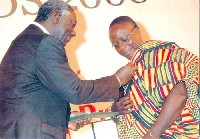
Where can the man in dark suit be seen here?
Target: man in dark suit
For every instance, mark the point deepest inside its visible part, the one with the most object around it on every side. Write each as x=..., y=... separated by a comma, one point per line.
x=37, y=83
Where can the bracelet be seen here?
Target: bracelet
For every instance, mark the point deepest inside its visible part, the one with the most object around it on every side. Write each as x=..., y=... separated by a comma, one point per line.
x=151, y=135
x=118, y=80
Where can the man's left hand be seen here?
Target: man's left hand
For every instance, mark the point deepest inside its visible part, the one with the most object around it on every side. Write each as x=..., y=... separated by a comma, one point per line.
x=78, y=124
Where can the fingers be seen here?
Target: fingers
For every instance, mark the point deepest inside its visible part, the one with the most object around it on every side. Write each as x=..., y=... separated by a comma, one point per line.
x=131, y=65
x=73, y=126
x=134, y=68
x=78, y=124
x=126, y=73
x=125, y=105
x=128, y=105
x=127, y=111
x=124, y=98
x=125, y=101
x=87, y=121
x=81, y=123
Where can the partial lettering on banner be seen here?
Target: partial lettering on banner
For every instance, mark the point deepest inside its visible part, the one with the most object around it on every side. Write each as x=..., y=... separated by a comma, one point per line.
x=83, y=2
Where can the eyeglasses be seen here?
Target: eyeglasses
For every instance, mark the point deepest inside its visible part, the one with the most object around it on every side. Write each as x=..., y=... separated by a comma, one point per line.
x=126, y=40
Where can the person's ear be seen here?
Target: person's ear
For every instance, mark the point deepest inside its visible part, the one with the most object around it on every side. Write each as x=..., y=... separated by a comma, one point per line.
x=55, y=17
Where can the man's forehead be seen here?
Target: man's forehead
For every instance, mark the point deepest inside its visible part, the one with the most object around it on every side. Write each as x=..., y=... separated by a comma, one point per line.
x=118, y=27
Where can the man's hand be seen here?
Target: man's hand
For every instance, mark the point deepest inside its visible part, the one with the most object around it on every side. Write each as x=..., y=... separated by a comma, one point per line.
x=124, y=106
x=78, y=124
x=126, y=73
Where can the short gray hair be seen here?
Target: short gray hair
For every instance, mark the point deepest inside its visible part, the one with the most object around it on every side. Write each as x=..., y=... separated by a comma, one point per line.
x=46, y=10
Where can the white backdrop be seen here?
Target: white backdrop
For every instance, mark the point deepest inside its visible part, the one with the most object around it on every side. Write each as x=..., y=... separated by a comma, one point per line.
x=90, y=53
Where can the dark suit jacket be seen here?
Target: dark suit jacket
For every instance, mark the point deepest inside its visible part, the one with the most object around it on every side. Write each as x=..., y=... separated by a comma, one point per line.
x=37, y=85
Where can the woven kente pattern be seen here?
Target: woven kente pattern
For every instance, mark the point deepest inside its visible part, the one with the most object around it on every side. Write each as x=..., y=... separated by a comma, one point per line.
x=161, y=65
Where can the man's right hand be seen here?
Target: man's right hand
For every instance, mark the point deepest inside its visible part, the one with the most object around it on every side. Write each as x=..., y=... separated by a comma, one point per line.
x=126, y=73
x=124, y=106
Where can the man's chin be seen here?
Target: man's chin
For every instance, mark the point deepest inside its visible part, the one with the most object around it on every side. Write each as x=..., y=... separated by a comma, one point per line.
x=67, y=40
